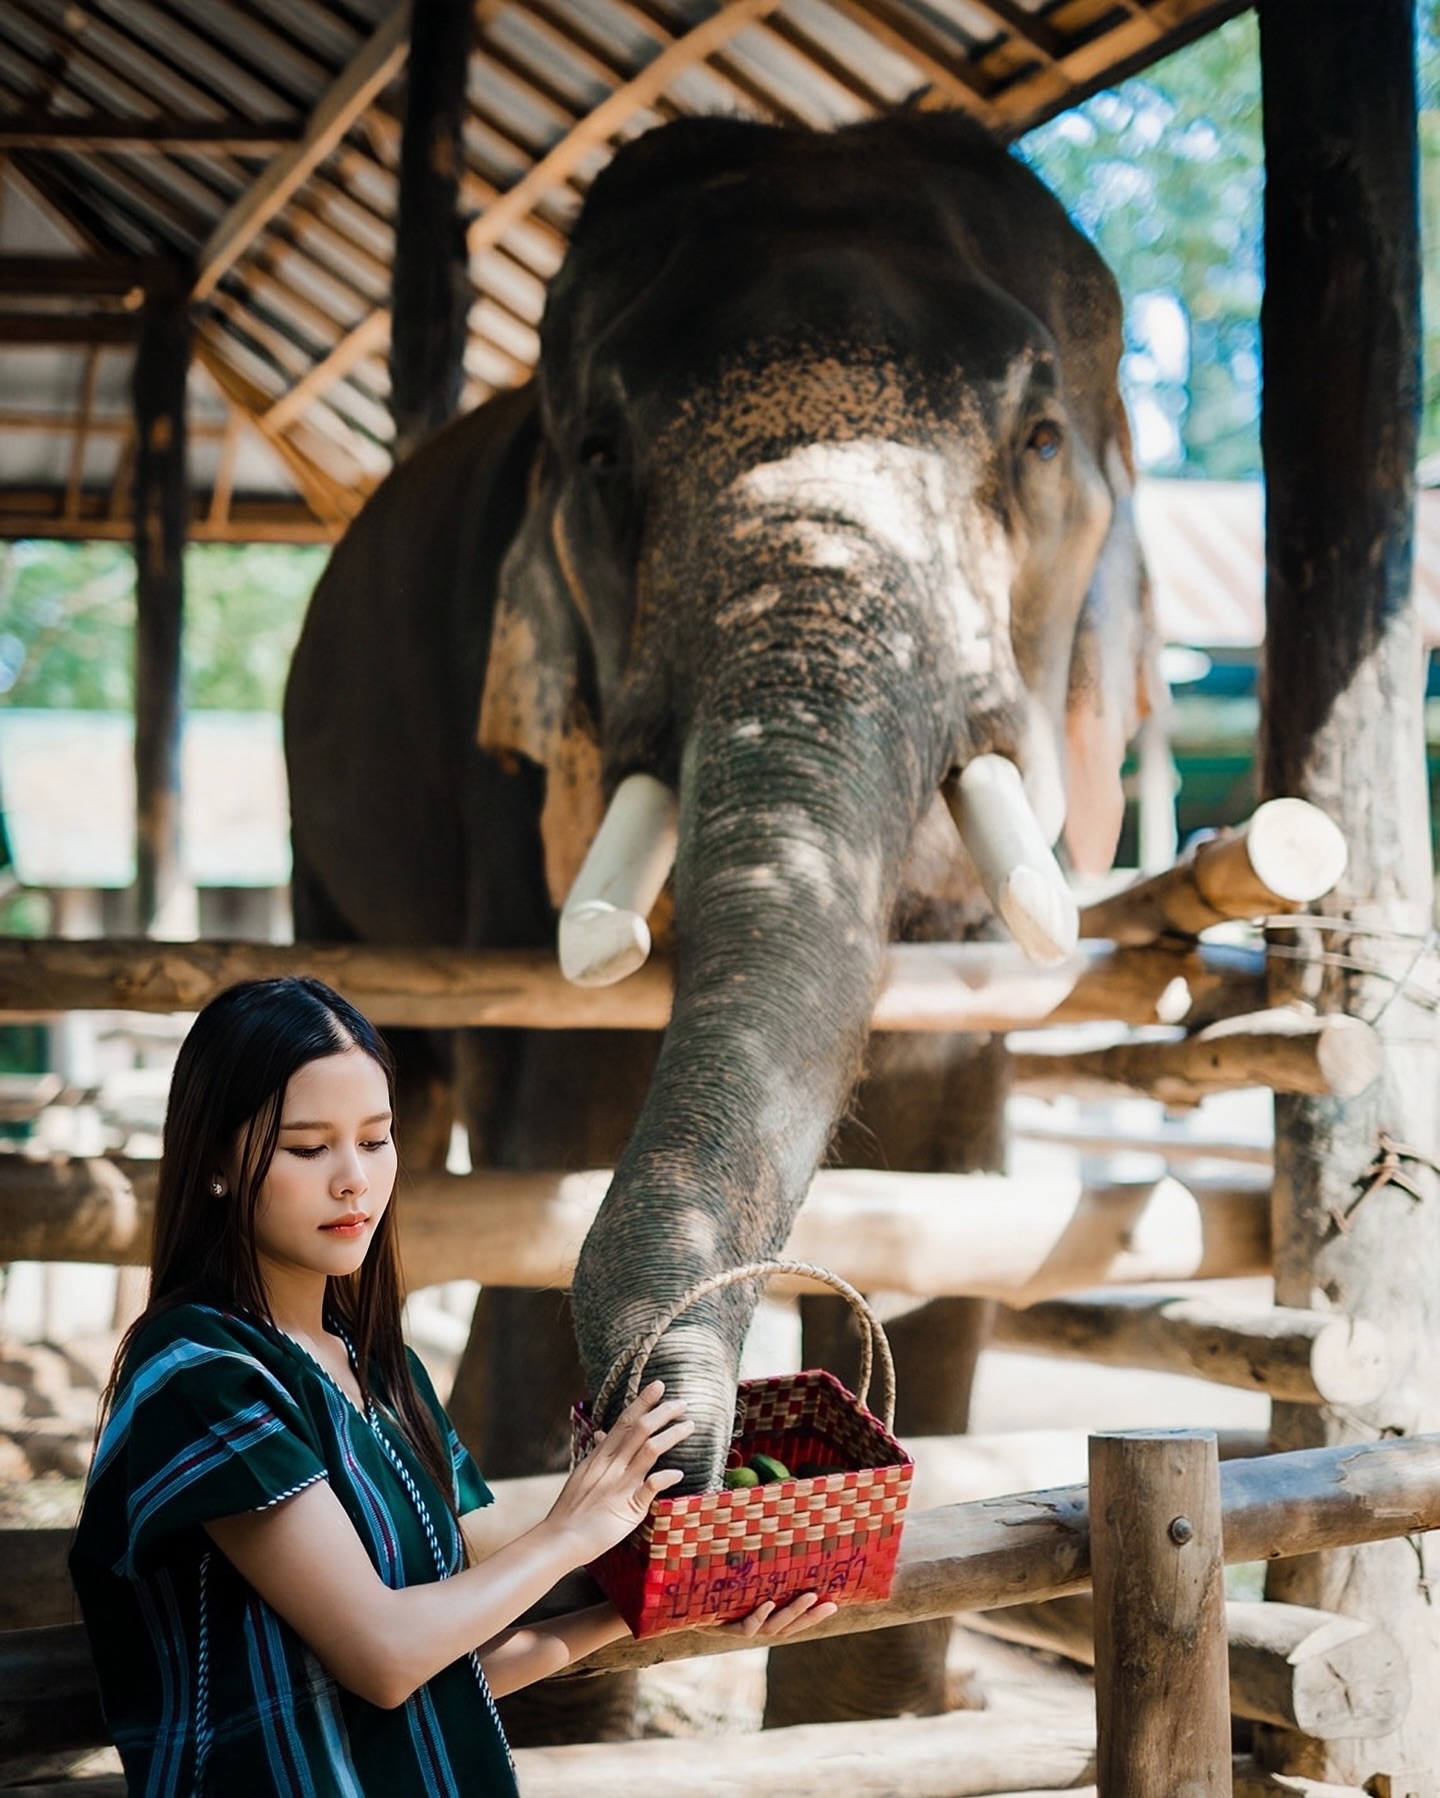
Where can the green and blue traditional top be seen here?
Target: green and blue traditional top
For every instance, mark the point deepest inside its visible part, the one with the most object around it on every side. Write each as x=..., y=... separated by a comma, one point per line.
x=206, y=1689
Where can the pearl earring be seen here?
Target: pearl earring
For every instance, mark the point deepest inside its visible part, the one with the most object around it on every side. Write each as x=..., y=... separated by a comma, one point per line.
x=217, y=1186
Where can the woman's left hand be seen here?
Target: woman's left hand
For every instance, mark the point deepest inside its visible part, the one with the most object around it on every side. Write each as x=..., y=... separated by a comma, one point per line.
x=767, y=1621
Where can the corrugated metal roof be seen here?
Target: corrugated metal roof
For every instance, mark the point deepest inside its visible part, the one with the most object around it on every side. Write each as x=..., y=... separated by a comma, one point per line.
x=288, y=210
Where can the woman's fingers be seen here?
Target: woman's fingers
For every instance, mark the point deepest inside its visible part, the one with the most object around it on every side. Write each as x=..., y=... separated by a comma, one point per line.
x=770, y=1620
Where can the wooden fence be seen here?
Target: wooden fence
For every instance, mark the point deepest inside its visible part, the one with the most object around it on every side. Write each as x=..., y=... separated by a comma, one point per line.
x=1168, y=1516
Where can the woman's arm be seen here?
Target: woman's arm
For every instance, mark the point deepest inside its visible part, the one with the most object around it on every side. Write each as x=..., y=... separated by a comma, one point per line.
x=518, y=1657
x=305, y=1560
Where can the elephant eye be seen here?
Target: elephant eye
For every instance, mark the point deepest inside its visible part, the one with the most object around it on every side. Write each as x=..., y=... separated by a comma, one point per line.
x=1045, y=440
x=597, y=450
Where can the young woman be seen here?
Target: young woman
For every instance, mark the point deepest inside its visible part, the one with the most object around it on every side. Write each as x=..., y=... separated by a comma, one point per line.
x=272, y=1559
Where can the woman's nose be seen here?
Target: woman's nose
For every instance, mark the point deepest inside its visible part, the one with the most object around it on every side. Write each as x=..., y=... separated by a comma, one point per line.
x=349, y=1177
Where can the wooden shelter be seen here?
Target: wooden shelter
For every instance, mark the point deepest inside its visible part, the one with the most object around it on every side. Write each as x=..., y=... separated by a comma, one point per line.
x=248, y=161
x=224, y=182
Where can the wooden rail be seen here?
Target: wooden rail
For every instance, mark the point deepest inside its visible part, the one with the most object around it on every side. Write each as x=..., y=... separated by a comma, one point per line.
x=956, y=1558
x=934, y=1235
x=931, y=986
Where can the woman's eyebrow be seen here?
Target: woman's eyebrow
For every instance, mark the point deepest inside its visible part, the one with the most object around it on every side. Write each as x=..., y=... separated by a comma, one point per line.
x=380, y=1117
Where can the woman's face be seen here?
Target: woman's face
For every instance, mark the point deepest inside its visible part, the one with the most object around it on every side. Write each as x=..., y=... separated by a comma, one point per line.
x=333, y=1172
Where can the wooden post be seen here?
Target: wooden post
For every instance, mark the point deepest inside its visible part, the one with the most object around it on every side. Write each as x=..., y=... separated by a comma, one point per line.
x=1162, y=1675
x=430, y=297
x=1343, y=728
x=161, y=365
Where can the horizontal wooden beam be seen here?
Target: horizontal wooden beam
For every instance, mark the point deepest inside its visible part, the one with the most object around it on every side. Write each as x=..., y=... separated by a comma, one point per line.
x=953, y=1559
x=933, y=1235
x=1286, y=855
x=57, y=330
x=374, y=65
x=35, y=1587
x=92, y=277
x=1306, y=1357
x=25, y=515
x=1288, y=1051
x=929, y=986
x=1330, y=1676
x=139, y=136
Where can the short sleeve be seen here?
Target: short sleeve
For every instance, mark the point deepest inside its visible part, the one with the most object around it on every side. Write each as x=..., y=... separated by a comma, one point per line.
x=471, y=1492
x=201, y=1429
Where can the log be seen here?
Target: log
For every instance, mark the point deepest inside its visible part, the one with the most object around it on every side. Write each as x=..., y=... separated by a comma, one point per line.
x=990, y=1553
x=1283, y=1049
x=1162, y=1678
x=35, y=1581
x=1287, y=854
x=1343, y=726
x=1307, y=1357
x=1044, y=1743
x=1254, y=1782
x=934, y=1235
x=1290, y=1666
x=930, y=986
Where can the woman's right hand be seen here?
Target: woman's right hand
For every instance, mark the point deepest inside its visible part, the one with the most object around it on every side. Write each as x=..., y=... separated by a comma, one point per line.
x=612, y=1489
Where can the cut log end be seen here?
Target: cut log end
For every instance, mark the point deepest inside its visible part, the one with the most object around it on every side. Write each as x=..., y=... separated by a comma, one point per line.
x=1350, y=1056
x=1295, y=850
x=1350, y=1362
x=601, y=943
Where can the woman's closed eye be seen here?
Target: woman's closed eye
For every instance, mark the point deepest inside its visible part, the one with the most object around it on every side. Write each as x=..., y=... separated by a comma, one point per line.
x=310, y=1151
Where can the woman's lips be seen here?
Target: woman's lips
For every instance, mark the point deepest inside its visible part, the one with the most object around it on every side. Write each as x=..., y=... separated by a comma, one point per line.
x=349, y=1225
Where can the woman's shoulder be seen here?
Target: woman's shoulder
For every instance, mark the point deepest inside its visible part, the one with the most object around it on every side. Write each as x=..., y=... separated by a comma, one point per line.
x=190, y=1330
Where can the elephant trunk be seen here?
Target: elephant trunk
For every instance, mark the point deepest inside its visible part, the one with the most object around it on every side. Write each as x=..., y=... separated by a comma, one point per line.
x=803, y=777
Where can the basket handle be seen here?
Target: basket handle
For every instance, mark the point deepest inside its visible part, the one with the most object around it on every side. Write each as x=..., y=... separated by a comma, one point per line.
x=874, y=1346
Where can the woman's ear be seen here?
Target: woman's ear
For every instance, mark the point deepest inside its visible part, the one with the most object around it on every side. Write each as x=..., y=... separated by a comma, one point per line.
x=535, y=701
x=1115, y=678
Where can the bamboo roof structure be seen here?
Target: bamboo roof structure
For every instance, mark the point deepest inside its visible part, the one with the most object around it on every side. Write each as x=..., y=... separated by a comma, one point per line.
x=249, y=149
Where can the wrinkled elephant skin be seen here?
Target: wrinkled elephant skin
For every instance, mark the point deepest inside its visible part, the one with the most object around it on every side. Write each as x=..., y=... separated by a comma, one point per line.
x=822, y=492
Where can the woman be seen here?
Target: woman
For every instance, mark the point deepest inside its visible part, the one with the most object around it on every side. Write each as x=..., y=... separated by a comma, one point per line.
x=272, y=1559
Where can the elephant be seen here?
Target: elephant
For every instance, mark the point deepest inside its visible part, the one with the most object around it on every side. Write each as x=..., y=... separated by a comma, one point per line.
x=821, y=492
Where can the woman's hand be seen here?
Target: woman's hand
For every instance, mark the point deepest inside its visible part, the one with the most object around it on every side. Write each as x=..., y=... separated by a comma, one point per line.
x=612, y=1489
x=767, y=1621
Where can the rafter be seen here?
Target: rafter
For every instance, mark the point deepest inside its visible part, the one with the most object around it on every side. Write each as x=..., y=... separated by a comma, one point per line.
x=371, y=69
x=366, y=339
x=948, y=83
x=611, y=115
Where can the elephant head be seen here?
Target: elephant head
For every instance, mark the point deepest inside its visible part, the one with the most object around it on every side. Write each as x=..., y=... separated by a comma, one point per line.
x=831, y=499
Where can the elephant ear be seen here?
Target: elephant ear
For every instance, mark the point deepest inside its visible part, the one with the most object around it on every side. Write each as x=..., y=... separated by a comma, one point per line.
x=536, y=701
x=1115, y=678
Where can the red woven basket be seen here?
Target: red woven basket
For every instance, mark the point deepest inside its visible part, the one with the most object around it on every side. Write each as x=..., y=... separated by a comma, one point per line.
x=710, y=1557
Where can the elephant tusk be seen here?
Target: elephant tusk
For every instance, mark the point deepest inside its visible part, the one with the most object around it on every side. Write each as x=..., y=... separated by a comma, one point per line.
x=603, y=932
x=997, y=824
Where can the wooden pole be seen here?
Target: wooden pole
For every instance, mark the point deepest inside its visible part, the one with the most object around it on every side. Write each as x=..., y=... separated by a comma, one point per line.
x=431, y=282
x=162, y=362
x=1343, y=727
x=1162, y=1677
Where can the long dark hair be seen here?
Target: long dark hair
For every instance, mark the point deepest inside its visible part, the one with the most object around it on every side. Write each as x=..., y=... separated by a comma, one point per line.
x=226, y=1097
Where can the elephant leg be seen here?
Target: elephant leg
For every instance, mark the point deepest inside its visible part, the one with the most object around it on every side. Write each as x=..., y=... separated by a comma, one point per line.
x=929, y=1107
x=559, y=1101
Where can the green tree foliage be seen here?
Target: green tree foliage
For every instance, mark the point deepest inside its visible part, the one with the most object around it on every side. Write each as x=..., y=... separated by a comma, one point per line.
x=67, y=623
x=1165, y=173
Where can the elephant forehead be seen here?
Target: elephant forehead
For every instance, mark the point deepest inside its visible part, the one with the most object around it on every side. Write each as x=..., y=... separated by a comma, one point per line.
x=901, y=498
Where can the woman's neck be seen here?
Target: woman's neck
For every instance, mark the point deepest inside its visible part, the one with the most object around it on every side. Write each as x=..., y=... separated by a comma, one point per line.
x=296, y=1298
